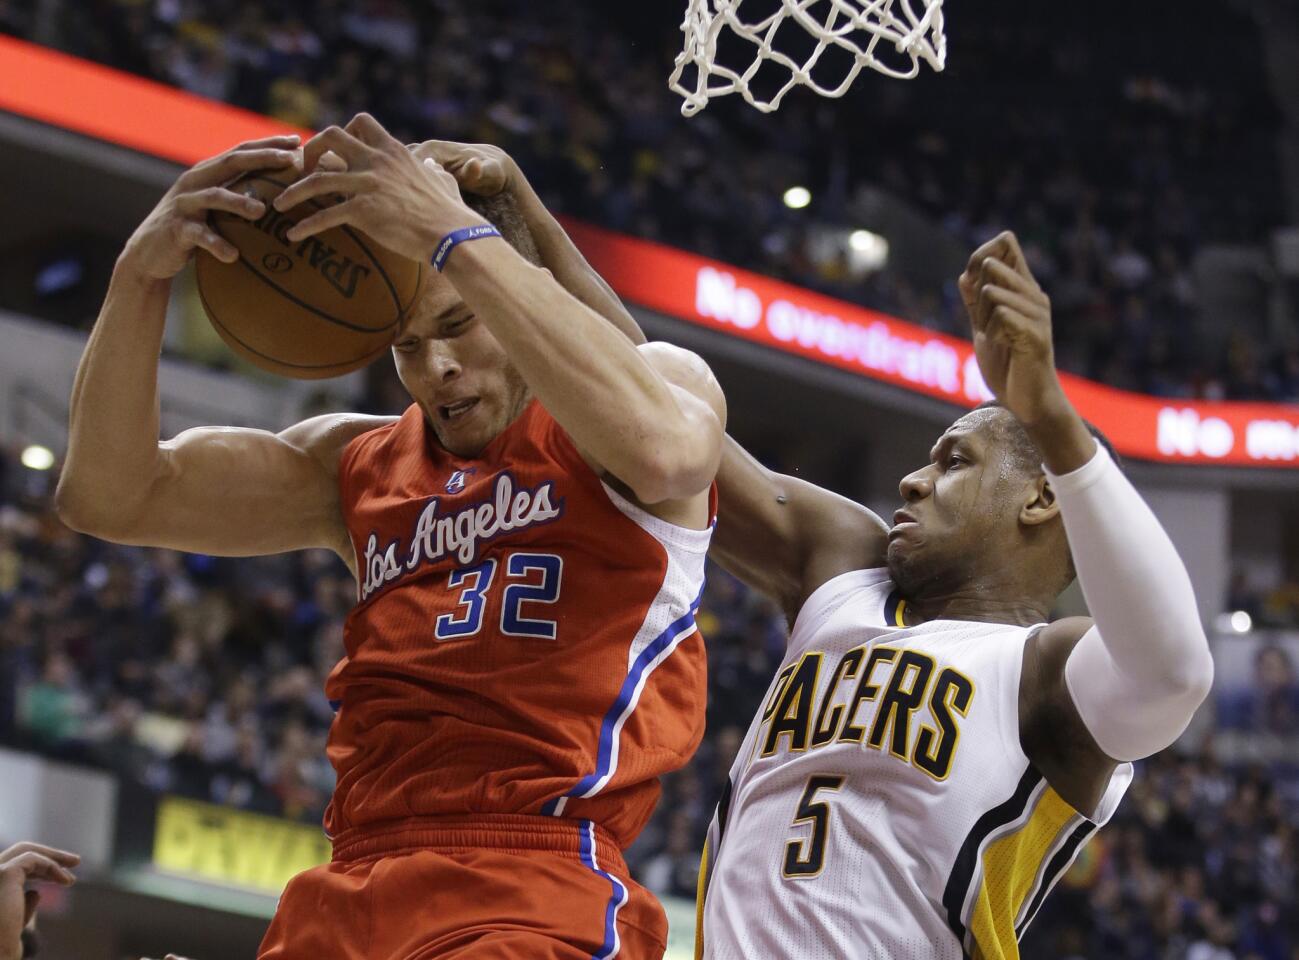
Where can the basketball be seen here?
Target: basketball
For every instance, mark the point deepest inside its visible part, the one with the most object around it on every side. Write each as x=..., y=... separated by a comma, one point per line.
x=322, y=307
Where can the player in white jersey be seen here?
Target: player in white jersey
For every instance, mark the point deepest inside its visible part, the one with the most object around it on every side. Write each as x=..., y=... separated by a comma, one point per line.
x=932, y=754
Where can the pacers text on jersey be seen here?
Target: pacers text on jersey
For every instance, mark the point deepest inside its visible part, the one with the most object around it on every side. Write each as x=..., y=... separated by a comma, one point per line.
x=902, y=683
x=461, y=533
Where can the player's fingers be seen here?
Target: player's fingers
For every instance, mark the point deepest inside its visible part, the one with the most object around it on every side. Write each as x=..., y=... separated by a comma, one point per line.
x=281, y=141
x=339, y=213
x=997, y=296
x=1004, y=274
x=1013, y=255
x=196, y=233
x=320, y=184
x=968, y=285
x=1006, y=325
x=219, y=198
x=331, y=161
x=37, y=866
x=352, y=150
x=370, y=131
x=230, y=165
x=65, y=857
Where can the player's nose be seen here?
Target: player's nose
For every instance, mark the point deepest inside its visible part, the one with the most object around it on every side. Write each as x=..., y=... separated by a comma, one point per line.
x=444, y=365
x=915, y=486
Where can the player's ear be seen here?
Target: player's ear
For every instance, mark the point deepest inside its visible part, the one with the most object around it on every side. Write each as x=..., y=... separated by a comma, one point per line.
x=1040, y=503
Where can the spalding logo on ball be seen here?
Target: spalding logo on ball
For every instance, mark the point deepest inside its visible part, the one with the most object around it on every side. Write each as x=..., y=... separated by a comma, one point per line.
x=321, y=307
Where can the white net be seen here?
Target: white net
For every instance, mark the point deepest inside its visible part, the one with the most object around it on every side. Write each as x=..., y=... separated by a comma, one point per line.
x=846, y=36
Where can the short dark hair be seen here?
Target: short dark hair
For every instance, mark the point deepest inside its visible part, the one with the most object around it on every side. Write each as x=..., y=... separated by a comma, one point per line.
x=502, y=211
x=1022, y=448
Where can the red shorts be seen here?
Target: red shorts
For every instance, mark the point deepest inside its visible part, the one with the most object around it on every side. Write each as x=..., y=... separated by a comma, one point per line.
x=469, y=888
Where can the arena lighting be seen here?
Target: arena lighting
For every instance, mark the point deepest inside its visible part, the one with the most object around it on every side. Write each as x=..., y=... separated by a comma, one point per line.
x=796, y=198
x=36, y=457
x=126, y=110
x=867, y=250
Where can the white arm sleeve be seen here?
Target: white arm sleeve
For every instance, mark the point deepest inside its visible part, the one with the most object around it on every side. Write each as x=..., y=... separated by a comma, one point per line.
x=1139, y=674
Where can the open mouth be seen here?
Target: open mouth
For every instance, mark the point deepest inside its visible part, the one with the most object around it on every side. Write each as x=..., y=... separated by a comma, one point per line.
x=455, y=411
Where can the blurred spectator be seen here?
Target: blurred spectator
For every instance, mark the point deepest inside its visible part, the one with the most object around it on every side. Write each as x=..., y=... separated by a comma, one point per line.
x=1271, y=704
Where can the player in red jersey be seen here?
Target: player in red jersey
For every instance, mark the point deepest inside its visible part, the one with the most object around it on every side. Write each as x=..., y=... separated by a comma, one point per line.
x=528, y=541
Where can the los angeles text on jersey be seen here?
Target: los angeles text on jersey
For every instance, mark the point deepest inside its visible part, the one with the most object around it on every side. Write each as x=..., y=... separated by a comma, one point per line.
x=461, y=533
x=885, y=697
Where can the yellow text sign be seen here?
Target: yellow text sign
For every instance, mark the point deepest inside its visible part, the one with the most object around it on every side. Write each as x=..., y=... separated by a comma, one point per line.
x=209, y=842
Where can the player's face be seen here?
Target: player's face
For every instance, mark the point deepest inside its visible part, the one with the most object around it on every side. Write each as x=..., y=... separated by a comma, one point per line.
x=959, y=511
x=457, y=371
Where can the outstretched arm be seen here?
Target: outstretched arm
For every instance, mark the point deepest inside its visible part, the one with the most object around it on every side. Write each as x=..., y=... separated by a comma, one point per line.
x=660, y=440
x=219, y=490
x=1135, y=676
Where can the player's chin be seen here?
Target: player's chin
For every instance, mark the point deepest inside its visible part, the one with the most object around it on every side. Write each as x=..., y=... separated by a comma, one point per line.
x=466, y=435
x=903, y=555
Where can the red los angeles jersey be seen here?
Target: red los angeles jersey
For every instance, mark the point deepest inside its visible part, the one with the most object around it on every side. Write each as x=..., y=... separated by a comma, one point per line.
x=525, y=638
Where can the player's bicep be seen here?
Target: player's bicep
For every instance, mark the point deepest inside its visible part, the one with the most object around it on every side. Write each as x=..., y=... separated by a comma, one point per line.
x=785, y=536
x=239, y=492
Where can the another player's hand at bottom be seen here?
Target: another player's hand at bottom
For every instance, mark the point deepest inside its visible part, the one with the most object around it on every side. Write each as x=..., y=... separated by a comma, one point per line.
x=21, y=865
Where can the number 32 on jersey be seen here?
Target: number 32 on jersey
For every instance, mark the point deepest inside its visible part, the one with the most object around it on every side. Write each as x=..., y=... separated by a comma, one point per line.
x=530, y=579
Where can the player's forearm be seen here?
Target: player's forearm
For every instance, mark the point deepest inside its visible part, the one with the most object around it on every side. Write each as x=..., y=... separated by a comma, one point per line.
x=562, y=258
x=113, y=412
x=1139, y=675
x=589, y=376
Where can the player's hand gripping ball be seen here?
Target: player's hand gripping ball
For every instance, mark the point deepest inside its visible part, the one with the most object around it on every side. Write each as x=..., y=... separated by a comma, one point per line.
x=304, y=307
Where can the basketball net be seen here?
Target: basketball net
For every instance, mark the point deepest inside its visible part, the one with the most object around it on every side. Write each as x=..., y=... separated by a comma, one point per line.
x=856, y=27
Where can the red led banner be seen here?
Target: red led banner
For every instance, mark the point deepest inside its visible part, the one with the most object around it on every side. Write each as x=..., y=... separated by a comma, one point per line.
x=126, y=110
x=871, y=344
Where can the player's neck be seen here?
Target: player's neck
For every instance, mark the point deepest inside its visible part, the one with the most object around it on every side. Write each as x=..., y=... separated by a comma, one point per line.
x=977, y=604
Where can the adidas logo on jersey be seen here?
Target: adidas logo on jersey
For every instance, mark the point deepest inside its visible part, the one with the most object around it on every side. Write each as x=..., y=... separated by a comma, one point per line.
x=460, y=534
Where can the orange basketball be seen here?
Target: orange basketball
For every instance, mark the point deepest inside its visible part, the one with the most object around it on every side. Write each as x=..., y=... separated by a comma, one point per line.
x=322, y=307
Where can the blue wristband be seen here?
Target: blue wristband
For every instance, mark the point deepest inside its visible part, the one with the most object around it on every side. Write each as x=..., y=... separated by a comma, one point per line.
x=457, y=237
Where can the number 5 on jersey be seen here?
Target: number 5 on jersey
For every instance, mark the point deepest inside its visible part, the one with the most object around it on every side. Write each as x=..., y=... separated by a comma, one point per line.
x=805, y=858
x=533, y=578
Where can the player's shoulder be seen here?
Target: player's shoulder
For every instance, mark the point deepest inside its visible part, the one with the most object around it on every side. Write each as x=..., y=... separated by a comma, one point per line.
x=685, y=369
x=325, y=437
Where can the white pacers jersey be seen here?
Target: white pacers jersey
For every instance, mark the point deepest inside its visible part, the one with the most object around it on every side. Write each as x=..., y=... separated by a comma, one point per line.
x=881, y=807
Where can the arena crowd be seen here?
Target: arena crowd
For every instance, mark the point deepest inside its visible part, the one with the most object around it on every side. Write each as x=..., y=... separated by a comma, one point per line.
x=1118, y=162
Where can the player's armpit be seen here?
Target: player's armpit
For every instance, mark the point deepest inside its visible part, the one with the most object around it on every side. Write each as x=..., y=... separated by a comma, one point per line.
x=785, y=536
x=1051, y=731
x=231, y=491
